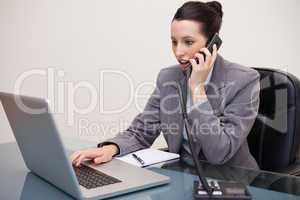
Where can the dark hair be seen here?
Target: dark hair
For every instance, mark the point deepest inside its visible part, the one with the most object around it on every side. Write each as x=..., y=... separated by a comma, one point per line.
x=208, y=14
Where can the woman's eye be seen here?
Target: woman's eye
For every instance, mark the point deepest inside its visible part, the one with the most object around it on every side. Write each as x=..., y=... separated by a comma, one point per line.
x=174, y=43
x=189, y=43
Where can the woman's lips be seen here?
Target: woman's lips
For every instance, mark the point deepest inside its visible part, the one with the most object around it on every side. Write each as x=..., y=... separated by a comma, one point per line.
x=184, y=64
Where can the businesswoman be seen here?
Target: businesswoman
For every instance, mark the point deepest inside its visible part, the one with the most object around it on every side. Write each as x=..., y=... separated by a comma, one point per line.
x=222, y=99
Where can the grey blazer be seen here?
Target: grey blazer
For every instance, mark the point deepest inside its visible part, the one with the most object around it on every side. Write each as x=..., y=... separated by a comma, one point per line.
x=220, y=125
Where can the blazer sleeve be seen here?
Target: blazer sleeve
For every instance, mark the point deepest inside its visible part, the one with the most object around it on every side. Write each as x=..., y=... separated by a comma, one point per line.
x=144, y=129
x=221, y=135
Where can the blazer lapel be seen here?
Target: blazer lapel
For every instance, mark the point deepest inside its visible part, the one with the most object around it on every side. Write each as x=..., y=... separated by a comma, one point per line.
x=215, y=88
x=213, y=92
x=174, y=136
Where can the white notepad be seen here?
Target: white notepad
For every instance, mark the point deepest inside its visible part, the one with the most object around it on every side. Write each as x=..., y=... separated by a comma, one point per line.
x=150, y=156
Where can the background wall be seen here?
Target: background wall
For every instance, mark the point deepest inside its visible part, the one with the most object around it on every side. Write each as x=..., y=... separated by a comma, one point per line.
x=58, y=50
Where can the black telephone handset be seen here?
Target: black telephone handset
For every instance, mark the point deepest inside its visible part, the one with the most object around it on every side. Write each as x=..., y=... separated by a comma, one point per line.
x=209, y=45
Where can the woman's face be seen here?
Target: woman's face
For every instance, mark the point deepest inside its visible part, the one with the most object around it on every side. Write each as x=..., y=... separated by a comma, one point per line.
x=187, y=40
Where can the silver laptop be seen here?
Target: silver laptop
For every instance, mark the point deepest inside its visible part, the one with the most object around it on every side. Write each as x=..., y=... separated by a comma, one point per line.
x=44, y=154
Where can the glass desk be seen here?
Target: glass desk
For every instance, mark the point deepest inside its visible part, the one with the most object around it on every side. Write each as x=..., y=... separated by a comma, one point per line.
x=16, y=182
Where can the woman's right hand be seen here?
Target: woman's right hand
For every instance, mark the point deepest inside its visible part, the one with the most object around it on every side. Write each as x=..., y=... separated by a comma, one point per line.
x=97, y=155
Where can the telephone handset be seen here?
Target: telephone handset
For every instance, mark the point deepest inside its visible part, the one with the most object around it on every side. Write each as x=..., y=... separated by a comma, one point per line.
x=209, y=45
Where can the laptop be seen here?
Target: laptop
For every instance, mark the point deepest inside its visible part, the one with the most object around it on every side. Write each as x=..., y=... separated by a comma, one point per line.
x=44, y=154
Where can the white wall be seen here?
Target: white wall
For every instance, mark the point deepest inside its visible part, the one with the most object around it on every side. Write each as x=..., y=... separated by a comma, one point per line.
x=83, y=38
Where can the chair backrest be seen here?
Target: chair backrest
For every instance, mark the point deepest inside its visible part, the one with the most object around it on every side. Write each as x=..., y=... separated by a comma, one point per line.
x=275, y=137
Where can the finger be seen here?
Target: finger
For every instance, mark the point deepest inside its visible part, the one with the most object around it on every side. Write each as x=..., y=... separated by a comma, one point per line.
x=200, y=57
x=74, y=156
x=79, y=160
x=205, y=51
x=193, y=63
x=75, y=160
x=215, y=53
x=99, y=160
x=207, y=55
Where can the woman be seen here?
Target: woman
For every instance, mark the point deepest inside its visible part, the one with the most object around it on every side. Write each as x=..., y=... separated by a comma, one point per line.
x=222, y=99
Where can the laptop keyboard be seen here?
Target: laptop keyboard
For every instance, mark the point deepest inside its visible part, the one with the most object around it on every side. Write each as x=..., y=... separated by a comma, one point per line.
x=91, y=178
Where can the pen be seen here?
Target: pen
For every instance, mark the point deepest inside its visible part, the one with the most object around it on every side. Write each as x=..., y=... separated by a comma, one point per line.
x=138, y=159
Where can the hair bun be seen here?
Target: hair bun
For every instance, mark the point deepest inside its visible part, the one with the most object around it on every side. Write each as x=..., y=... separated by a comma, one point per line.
x=216, y=6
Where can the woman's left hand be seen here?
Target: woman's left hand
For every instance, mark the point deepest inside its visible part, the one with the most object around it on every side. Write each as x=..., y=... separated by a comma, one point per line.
x=200, y=71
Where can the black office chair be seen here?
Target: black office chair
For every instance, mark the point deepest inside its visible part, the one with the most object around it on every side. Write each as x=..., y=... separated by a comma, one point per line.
x=274, y=140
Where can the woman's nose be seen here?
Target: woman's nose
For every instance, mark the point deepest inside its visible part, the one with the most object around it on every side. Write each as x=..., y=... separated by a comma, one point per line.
x=179, y=52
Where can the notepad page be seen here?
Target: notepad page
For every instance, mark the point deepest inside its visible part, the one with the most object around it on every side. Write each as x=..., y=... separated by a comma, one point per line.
x=150, y=156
